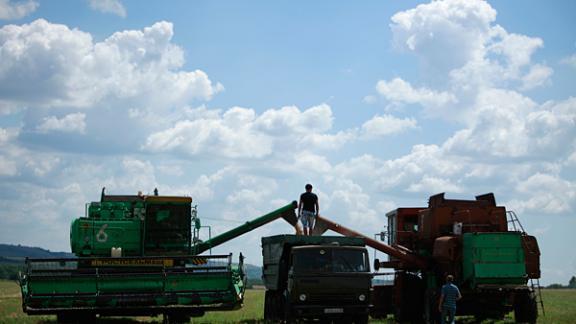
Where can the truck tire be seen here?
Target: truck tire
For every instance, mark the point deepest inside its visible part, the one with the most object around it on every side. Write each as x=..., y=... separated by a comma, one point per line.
x=525, y=308
x=270, y=306
x=274, y=306
x=361, y=319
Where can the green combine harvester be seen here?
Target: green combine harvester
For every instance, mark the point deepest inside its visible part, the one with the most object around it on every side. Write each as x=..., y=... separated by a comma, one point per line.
x=139, y=256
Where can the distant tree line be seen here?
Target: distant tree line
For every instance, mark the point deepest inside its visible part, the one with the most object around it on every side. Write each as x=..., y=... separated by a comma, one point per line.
x=9, y=271
x=571, y=284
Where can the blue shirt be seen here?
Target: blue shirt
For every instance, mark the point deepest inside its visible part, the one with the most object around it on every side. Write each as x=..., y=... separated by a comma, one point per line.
x=451, y=293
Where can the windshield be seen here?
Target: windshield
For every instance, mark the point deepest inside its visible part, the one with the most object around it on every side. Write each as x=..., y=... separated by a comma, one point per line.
x=330, y=260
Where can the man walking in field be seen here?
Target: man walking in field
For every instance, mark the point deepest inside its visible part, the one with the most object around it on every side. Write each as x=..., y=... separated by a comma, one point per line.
x=308, y=209
x=449, y=296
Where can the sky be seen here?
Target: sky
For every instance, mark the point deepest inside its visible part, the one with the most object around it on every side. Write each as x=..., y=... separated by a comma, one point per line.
x=378, y=104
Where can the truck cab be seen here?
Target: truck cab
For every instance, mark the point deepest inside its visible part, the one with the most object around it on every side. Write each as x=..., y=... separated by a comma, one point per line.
x=319, y=277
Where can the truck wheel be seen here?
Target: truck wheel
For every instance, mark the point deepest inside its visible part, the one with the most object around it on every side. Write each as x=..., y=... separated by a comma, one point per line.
x=270, y=306
x=361, y=319
x=525, y=308
x=273, y=306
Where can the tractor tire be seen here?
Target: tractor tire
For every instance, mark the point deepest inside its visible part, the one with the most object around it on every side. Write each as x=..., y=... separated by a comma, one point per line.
x=525, y=308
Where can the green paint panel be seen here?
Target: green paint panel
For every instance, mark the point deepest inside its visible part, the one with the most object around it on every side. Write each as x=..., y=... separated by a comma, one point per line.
x=493, y=258
x=99, y=236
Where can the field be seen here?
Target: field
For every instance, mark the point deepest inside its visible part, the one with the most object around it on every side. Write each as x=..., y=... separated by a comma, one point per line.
x=560, y=307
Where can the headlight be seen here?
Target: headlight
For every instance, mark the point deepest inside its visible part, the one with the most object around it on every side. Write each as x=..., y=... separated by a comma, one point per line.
x=302, y=297
x=361, y=297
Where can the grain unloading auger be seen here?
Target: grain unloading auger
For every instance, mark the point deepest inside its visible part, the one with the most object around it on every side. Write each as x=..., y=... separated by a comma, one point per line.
x=493, y=260
x=138, y=255
x=406, y=258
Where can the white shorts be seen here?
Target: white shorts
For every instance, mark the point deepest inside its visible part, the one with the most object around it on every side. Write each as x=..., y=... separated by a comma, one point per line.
x=307, y=218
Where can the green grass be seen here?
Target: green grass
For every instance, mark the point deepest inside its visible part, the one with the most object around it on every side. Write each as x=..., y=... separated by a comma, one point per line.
x=560, y=307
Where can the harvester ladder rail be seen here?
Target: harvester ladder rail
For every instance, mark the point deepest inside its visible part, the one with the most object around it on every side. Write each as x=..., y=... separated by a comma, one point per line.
x=538, y=294
x=513, y=219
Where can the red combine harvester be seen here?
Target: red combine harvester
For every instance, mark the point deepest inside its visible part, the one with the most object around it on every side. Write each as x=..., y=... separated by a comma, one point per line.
x=494, y=262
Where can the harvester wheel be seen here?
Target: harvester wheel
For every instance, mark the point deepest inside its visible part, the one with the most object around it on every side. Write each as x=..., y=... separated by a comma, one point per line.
x=525, y=308
x=410, y=307
x=175, y=318
x=76, y=317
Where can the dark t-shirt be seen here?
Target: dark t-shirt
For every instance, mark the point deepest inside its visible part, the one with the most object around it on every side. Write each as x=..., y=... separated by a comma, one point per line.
x=309, y=200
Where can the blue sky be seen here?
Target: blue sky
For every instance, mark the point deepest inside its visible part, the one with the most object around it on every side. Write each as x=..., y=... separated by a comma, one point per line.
x=378, y=104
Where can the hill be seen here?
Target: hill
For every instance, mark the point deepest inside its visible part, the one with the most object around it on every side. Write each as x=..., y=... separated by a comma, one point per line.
x=20, y=252
x=12, y=257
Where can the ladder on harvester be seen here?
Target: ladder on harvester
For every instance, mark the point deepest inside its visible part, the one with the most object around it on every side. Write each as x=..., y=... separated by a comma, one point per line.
x=537, y=289
x=513, y=220
x=534, y=283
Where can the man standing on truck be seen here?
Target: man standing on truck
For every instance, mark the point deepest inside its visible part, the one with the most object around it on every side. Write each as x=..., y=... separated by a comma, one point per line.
x=308, y=209
x=449, y=296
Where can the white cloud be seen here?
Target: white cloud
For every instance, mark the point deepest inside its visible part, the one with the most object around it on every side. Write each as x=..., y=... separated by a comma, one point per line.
x=16, y=9
x=571, y=160
x=516, y=49
x=72, y=123
x=7, y=135
x=506, y=124
x=429, y=162
x=569, y=60
x=51, y=65
x=308, y=162
x=463, y=51
x=139, y=174
x=290, y=119
x=352, y=205
x=401, y=91
x=328, y=141
x=203, y=189
x=7, y=167
x=251, y=190
x=240, y=133
x=230, y=136
x=545, y=193
x=387, y=125
x=431, y=185
x=109, y=6
x=444, y=34
x=537, y=76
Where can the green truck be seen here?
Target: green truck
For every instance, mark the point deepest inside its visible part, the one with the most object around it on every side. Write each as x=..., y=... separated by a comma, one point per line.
x=139, y=255
x=316, y=277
